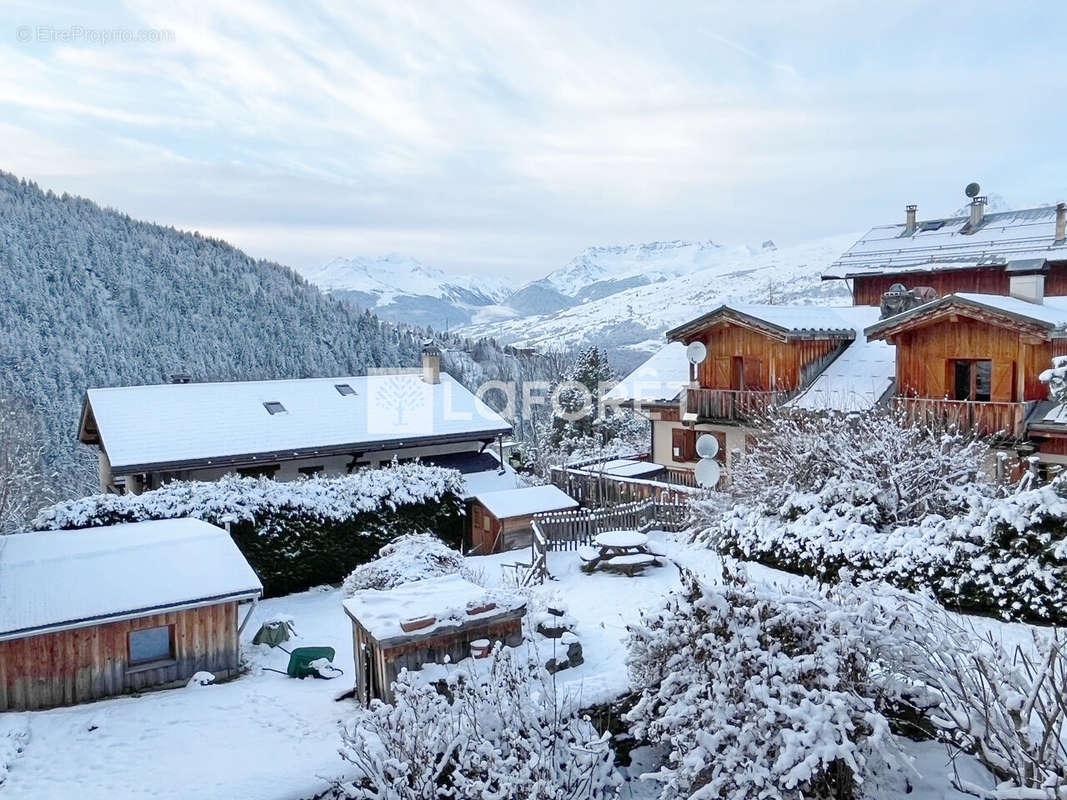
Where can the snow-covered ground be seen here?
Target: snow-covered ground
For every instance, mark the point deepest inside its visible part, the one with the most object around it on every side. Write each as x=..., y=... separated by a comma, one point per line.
x=268, y=737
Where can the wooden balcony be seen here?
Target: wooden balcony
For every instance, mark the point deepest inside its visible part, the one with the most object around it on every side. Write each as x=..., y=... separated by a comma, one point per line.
x=986, y=418
x=731, y=405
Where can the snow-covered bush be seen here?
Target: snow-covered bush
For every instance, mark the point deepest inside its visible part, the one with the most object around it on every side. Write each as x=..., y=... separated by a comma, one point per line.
x=891, y=471
x=503, y=733
x=1000, y=555
x=25, y=482
x=295, y=534
x=759, y=694
x=410, y=558
x=1007, y=706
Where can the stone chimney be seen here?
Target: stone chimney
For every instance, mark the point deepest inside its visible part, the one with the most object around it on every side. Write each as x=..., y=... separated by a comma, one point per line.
x=431, y=362
x=977, y=211
x=1061, y=221
x=909, y=216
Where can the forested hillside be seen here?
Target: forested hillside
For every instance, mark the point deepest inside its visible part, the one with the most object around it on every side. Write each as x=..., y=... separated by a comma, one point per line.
x=92, y=297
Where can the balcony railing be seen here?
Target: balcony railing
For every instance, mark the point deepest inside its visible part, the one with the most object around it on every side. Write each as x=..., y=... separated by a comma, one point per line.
x=986, y=418
x=730, y=404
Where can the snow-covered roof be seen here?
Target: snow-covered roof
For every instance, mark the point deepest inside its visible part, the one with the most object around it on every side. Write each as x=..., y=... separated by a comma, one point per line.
x=661, y=378
x=141, y=427
x=858, y=378
x=58, y=580
x=482, y=471
x=1050, y=314
x=626, y=467
x=526, y=501
x=1003, y=237
x=446, y=599
x=788, y=320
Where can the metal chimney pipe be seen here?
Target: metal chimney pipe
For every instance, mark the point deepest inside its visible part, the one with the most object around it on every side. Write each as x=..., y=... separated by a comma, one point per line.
x=909, y=212
x=977, y=211
x=1061, y=221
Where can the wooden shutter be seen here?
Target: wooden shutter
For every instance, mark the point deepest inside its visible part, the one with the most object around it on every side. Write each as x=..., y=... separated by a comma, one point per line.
x=1002, y=391
x=936, y=372
x=720, y=377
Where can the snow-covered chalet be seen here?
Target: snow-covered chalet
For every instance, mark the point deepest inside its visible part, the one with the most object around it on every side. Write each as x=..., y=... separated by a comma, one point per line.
x=953, y=320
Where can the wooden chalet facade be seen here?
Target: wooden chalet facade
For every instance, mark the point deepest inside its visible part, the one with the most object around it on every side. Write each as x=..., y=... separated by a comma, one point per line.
x=88, y=614
x=982, y=319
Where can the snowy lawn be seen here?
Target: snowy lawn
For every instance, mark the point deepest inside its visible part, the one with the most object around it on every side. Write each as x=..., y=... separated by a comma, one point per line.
x=268, y=737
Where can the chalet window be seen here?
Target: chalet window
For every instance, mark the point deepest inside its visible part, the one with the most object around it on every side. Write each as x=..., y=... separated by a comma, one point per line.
x=309, y=471
x=274, y=407
x=259, y=471
x=972, y=379
x=344, y=389
x=684, y=444
x=151, y=644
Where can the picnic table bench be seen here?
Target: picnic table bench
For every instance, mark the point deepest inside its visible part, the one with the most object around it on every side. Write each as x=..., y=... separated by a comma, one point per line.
x=628, y=552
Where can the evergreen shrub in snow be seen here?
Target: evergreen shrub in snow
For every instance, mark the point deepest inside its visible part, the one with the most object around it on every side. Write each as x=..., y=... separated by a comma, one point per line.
x=759, y=694
x=501, y=733
x=295, y=534
x=899, y=503
x=410, y=558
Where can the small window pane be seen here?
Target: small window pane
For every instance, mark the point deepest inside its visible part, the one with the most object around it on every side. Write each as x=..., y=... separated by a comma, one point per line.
x=150, y=644
x=983, y=381
x=344, y=389
x=274, y=407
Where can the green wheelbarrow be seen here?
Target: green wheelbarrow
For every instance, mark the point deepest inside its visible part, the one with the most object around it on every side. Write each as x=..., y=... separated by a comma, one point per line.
x=315, y=662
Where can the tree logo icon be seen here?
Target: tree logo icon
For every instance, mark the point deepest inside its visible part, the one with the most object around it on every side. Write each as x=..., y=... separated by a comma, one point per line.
x=397, y=399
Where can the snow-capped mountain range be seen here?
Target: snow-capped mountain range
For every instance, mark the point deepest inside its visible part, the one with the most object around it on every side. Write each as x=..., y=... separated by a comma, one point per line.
x=621, y=297
x=403, y=289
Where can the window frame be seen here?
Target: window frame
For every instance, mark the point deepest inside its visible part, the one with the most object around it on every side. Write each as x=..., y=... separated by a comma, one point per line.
x=972, y=367
x=345, y=389
x=146, y=663
x=275, y=407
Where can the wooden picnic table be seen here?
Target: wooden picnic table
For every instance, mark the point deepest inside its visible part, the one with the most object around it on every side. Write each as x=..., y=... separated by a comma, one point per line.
x=628, y=552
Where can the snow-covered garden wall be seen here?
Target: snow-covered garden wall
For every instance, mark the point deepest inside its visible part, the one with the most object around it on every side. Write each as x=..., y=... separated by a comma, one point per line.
x=294, y=534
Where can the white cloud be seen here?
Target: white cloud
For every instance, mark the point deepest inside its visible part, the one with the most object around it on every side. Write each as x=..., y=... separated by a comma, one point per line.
x=498, y=136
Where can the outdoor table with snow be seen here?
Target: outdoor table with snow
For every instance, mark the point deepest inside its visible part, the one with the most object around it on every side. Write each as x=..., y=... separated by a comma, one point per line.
x=628, y=552
x=422, y=622
x=621, y=539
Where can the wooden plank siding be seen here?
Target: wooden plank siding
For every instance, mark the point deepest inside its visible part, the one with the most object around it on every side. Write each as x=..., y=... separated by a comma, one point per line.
x=924, y=355
x=75, y=666
x=868, y=290
x=766, y=363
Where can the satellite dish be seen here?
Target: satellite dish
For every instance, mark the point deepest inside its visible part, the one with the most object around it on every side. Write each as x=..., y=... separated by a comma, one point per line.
x=696, y=352
x=972, y=190
x=708, y=473
x=707, y=446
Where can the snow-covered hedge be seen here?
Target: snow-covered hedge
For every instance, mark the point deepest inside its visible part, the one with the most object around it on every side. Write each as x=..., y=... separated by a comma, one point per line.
x=410, y=558
x=295, y=534
x=502, y=733
x=999, y=555
x=758, y=694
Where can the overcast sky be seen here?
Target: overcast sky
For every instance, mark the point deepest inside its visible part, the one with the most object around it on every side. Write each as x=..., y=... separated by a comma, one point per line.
x=491, y=137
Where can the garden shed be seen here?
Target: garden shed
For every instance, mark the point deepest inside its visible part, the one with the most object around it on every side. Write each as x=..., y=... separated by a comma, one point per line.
x=423, y=622
x=502, y=520
x=86, y=614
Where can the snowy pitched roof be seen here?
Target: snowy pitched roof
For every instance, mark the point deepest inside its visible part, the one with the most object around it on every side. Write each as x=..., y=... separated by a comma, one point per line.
x=661, y=378
x=447, y=599
x=198, y=424
x=1003, y=237
x=1050, y=314
x=526, y=501
x=787, y=321
x=482, y=472
x=858, y=378
x=58, y=580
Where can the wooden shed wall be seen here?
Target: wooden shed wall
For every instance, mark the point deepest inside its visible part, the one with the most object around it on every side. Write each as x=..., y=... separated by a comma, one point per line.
x=769, y=364
x=923, y=355
x=58, y=669
x=484, y=529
